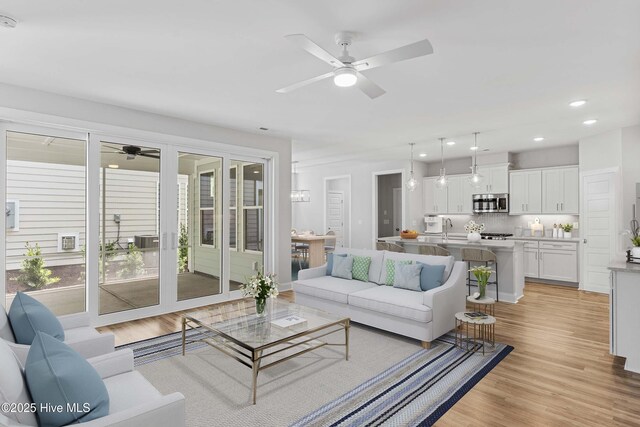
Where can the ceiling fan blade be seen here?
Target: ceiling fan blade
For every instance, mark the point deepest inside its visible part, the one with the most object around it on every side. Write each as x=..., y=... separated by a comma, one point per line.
x=403, y=53
x=148, y=155
x=305, y=43
x=371, y=89
x=305, y=83
x=151, y=151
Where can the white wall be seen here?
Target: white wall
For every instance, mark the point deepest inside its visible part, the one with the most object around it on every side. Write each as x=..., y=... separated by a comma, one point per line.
x=630, y=171
x=310, y=216
x=43, y=108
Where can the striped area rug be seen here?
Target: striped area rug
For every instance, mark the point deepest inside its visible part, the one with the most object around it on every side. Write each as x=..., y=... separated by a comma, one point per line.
x=415, y=392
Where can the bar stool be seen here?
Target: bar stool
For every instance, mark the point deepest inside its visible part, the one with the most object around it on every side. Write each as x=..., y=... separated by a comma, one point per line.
x=477, y=255
x=391, y=247
x=433, y=250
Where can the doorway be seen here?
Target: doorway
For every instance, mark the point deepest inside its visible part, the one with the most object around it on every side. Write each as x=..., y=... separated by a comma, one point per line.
x=337, y=208
x=388, y=206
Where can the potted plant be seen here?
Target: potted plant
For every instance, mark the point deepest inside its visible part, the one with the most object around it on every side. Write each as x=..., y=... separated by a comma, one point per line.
x=260, y=287
x=567, y=230
x=482, y=275
x=635, y=250
x=473, y=231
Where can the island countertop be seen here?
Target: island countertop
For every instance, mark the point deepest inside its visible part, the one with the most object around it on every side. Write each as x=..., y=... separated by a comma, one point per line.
x=454, y=242
x=624, y=266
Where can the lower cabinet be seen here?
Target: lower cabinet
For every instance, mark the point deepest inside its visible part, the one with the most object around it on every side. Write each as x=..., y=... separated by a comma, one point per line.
x=551, y=260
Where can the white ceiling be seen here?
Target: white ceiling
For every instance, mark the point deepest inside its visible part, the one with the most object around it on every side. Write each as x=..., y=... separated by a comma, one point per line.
x=505, y=68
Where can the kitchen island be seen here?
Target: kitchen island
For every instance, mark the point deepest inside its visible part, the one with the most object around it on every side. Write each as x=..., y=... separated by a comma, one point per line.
x=510, y=255
x=624, y=314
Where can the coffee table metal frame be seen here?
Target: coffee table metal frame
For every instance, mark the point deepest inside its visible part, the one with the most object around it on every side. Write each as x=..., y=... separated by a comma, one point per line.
x=252, y=356
x=482, y=333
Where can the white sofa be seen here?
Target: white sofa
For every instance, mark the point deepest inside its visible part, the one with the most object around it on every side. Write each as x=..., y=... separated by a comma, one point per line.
x=424, y=316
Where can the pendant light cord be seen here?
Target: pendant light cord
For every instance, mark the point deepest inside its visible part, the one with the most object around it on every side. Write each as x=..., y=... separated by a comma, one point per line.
x=475, y=152
x=412, y=144
x=442, y=153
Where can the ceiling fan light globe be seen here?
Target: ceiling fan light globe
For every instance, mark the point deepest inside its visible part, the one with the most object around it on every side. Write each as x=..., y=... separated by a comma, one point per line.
x=345, y=77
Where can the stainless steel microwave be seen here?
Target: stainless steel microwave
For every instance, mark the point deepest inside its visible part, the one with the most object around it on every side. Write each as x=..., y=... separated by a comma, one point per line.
x=488, y=203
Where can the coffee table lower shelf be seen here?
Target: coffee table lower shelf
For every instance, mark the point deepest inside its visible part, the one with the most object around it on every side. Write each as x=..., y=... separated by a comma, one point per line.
x=253, y=356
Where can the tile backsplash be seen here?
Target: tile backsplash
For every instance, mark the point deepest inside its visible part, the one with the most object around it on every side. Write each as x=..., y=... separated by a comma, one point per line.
x=504, y=223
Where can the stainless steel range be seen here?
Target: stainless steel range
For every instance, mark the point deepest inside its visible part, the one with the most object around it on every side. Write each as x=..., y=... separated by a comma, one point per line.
x=495, y=236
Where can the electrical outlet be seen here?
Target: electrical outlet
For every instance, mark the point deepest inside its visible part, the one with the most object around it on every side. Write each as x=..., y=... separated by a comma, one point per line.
x=576, y=225
x=116, y=218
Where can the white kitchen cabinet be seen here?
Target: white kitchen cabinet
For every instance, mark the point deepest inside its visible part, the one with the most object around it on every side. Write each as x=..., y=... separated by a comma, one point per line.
x=434, y=199
x=625, y=316
x=459, y=195
x=558, y=261
x=560, y=188
x=525, y=192
x=531, y=263
x=495, y=179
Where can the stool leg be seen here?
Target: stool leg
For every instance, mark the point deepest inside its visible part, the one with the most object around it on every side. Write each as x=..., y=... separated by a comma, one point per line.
x=469, y=276
x=497, y=293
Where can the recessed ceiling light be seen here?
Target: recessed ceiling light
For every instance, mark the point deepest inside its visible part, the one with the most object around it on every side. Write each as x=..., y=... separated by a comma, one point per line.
x=590, y=122
x=451, y=143
x=578, y=103
x=422, y=154
x=538, y=138
x=7, y=22
x=474, y=148
x=114, y=166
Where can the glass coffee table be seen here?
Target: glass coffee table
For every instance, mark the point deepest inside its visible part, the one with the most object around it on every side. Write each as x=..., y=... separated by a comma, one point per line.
x=286, y=331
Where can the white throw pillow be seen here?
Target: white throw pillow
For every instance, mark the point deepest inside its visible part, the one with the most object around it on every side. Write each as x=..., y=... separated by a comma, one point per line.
x=407, y=276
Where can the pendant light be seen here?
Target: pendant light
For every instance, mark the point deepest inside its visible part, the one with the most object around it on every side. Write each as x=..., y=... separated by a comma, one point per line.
x=412, y=183
x=442, y=180
x=296, y=194
x=475, y=180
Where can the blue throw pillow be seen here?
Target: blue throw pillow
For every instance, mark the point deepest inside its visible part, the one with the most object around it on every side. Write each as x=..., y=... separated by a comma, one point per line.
x=28, y=316
x=330, y=256
x=57, y=375
x=431, y=276
x=342, y=267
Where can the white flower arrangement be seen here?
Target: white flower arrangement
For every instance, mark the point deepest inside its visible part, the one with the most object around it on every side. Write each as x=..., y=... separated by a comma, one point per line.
x=472, y=227
x=260, y=286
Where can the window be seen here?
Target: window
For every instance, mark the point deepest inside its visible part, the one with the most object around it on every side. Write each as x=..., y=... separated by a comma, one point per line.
x=252, y=207
x=233, y=207
x=207, y=208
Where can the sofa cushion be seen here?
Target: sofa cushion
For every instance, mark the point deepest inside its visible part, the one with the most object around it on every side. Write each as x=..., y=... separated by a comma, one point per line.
x=13, y=388
x=330, y=262
x=58, y=375
x=28, y=316
x=390, y=267
x=129, y=390
x=342, y=267
x=330, y=288
x=376, y=261
x=394, y=302
x=407, y=276
x=361, y=266
x=5, y=327
x=447, y=261
x=430, y=276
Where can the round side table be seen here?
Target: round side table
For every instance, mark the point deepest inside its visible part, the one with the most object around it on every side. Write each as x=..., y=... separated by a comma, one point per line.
x=485, y=305
x=473, y=334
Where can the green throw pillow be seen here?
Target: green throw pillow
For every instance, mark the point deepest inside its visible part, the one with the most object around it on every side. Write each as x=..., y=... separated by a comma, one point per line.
x=361, y=268
x=391, y=270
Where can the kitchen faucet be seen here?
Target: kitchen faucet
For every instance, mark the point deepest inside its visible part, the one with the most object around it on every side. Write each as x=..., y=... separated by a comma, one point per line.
x=447, y=224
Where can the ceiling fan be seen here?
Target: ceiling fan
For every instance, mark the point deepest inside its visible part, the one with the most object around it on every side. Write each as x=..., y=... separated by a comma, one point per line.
x=133, y=150
x=347, y=71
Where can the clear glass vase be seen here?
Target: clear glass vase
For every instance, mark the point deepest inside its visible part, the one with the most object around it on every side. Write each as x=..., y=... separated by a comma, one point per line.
x=261, y=306
x=482, y=288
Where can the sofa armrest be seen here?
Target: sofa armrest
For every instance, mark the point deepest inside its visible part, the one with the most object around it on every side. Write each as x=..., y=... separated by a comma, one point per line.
x=168, y=411
x=20, y=350
x=94, y=345
x=110, y=364
x=76, y=320
x=446, y=300
x=314, y=272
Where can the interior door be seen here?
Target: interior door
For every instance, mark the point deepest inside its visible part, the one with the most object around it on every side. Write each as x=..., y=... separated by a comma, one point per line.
x=335, y=215
x=599, y=230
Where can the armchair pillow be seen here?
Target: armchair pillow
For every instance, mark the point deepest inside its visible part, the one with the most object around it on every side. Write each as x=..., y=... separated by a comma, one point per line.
x=342, y=267
x=431, y=276
x=407, y=276
x=58, y=375
x=360, y=270
x=28, y=316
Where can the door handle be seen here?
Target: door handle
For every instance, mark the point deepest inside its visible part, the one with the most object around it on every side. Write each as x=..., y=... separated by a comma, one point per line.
x=174, y=244
x=557, y=206
x=561, y=206
x=523, y=206
x=164, y=241
x=585, y=241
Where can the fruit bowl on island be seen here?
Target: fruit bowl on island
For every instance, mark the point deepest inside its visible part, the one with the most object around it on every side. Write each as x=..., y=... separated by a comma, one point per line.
x=409, y=234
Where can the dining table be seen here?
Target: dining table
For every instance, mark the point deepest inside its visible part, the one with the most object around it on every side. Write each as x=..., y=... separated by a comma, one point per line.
x=316, y=247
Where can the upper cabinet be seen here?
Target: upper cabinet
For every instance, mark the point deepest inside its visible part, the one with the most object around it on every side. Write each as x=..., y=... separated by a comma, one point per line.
x=526, y=192
x=560, y=188
x=434, y=199
x=459, y=195
x=495, y=179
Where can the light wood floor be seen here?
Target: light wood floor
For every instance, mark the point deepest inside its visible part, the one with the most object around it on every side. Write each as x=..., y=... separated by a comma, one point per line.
x=560, y=373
